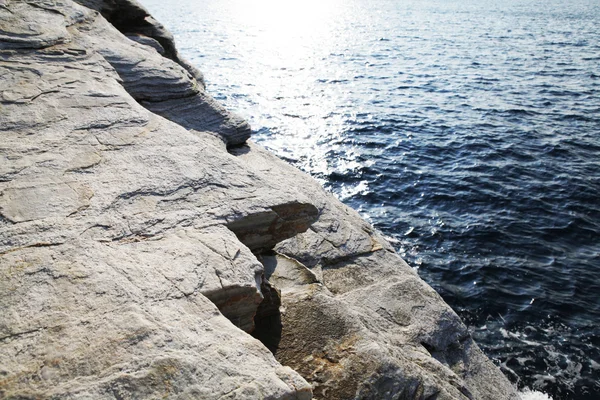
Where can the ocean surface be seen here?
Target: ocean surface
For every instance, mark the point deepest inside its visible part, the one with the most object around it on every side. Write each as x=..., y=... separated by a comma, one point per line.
x=467, y=131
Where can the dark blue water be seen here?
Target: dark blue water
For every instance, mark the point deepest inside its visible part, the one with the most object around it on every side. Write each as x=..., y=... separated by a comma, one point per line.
x=467, y=132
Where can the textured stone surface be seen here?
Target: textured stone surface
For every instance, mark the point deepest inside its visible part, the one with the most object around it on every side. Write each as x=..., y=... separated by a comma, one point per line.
x=87, y=320
x=357, y=321
x=113, y=232
x=136, y=236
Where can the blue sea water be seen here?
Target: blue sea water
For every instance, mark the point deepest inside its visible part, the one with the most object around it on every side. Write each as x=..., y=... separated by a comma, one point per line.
x=468, y=132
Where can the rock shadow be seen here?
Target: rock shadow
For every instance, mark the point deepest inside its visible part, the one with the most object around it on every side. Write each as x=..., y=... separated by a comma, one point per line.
x=267, y=321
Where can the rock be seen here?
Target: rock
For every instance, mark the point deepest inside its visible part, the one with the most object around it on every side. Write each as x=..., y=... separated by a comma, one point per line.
x=357, y=321
x=262, y=231
x=142, y=242
x=163, y=84
x=91, y=320
x=117, y=265
x=147, y=41
x=26, y=25
x=132, y=19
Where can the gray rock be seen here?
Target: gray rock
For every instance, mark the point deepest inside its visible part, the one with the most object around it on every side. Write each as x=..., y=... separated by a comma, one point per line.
x=163, y=85
x=25, y=25
x=132, y=222
x=262, y=231
x=86, y=320
x=132, y=19
x=116, y=261
x=357, y=321
x=147, y=41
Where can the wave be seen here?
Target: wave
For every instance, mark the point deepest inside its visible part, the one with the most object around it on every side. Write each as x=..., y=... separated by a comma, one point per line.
x=528, y=394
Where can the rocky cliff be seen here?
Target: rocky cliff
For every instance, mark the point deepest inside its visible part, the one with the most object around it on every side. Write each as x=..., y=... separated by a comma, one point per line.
x=149, y=251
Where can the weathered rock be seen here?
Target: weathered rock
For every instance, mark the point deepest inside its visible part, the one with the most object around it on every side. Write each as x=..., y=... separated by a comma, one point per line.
x=131, y=219
x=132, y=19
x=113, y=228
x=164, y=84
x=147, y=41
x=262, y=231
x=393, y=338
x=86, y=320
x=357, y=321
x=33, y=25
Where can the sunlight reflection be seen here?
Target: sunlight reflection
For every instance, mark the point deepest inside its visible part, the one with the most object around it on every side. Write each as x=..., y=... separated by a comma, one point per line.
x=293, y=41
x=281, y=21
x=286, y=31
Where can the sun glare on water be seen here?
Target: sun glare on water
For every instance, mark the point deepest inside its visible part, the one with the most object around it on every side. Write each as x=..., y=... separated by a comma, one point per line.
x=289, y=42
x=288, y=23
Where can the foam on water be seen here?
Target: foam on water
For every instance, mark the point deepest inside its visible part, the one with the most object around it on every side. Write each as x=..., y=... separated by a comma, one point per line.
x=533, y=395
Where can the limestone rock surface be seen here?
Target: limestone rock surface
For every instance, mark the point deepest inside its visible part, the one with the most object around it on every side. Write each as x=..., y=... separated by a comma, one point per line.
x=117, y=267
x=356, y=321
x=143, y=241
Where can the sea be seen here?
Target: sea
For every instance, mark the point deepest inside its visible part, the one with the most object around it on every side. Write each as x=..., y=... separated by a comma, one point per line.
x=466, y=131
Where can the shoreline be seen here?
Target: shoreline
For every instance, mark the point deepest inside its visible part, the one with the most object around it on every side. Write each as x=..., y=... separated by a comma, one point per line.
x=143, y=239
